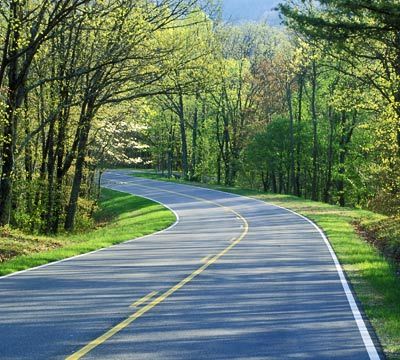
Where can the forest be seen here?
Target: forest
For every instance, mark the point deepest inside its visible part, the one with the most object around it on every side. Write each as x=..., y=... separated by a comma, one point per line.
x=310, y=108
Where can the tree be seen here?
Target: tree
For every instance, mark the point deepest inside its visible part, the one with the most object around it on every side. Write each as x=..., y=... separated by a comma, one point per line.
x=29, y=26
x=64, y=62
x=190, y=77
x=364, y=34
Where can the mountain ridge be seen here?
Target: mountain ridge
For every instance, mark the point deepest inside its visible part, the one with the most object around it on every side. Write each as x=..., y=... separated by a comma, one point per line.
x=251, y=10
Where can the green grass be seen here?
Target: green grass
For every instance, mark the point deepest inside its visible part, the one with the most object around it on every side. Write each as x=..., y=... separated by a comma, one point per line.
x=373, y=277
x=121, y=217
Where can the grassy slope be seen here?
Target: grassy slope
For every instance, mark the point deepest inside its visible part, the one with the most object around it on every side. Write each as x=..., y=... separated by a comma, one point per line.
x=373, y=278
x=123, y=217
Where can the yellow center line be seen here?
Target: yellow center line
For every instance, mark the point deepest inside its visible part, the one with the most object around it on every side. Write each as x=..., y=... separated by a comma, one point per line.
x=123, y=324
x=205, y=258
x=144, y=299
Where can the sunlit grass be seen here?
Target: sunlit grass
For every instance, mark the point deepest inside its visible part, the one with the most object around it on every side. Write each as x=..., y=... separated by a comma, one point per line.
x=123, y=217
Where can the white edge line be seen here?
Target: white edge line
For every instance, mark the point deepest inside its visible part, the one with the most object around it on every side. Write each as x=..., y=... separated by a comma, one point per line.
x=369, y=344
x=105, y=248
x=365, y=335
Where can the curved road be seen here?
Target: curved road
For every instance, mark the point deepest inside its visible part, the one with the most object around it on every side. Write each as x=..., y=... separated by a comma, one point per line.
x=234, y=278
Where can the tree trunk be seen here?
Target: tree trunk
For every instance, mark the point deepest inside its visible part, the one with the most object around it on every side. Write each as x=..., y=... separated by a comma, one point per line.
x=328, y=183
x=314, y=190
x=15, y=98
x=345, y=138
x=7, y=170
x=182, y=127
x=50, y=179
x=9, y=129
x=28, y=163
x=194, y=143
x=280, y=182
x=226, y=156
x=264, y=179
x=397, y=94
x=170, y=152
x=86, y=117
x=60, y=172
x=291, y=178
x=219, y=170
x=273, y=181
x=297, y=185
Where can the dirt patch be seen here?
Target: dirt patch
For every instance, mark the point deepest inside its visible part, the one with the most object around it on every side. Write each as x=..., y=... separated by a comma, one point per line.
x=383, y=235
x=6, y=254
x=14, y=243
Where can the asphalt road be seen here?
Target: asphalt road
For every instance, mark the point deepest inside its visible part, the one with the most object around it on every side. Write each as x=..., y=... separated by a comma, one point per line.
x=234, y=278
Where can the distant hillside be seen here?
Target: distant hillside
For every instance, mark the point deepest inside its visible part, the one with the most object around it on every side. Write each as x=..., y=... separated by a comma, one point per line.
x=251, y=10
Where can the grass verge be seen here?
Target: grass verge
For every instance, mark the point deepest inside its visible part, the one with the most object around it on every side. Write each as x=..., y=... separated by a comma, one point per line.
x=121, y=217
x=374, y=278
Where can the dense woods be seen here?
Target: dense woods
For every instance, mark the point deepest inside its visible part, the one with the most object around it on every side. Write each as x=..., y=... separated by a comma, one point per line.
x=65, y=66
x=311, y=108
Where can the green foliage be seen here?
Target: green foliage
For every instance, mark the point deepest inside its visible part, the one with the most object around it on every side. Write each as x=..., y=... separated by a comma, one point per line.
x=268, y=151
x=361, y=37
x=70, y=72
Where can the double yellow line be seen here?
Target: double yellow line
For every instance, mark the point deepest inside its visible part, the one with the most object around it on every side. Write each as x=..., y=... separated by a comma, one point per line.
x=144, y=299
x=123, y=324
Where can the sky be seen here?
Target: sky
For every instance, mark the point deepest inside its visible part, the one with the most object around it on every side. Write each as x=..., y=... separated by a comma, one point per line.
x=251, y=10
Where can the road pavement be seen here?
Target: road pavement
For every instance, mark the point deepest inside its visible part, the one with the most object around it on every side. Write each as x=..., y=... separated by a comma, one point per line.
x=233, y=278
